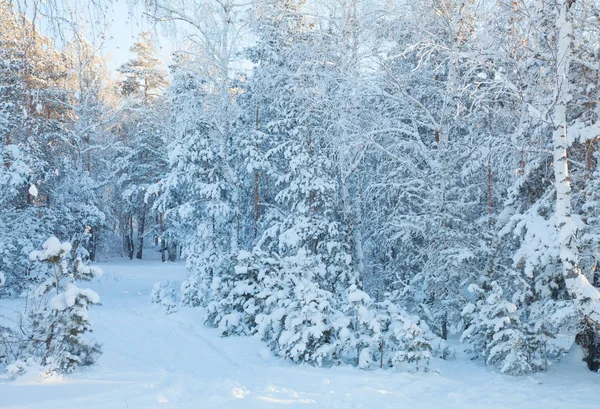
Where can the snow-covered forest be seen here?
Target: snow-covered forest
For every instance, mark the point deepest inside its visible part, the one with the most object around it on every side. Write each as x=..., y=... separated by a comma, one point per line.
x=383, y=185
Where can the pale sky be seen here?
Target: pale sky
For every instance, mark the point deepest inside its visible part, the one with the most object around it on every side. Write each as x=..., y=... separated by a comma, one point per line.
x=127, y=23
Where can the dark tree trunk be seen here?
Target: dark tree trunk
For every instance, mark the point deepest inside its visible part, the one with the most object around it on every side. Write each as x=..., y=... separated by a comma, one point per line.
x=163, y=241
x=141, y=227
x=125, y=244
x=93, y=244
x=130, y=246
x=445, y=327
x=163, y=251
x=172, y=249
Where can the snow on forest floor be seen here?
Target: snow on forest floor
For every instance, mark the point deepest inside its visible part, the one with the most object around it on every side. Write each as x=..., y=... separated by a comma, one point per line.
x=152, y=360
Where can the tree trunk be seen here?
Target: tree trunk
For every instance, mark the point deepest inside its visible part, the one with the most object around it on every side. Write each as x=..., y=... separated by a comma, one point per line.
x=123, y=227
x=93, y=244
x=130, y=241
x=445, y=326
x=7, y=158
x=172, y=250
x=490, y=196
x=163, y=241
x=353, y=221
x=564, y=224
x=141, y=228
x=256, y=185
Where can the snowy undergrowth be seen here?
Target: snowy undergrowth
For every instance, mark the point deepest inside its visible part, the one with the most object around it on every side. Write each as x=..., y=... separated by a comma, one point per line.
x=153, y=360
x=284, y=301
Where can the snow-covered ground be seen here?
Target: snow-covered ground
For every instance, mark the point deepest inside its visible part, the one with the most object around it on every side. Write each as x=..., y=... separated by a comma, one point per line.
x=152, y=360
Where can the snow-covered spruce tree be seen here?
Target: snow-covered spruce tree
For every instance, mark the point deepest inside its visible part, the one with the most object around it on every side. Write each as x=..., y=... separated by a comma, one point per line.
x=307, y=180
x=301, y=232
x=188, y=144
x=304, y=305
x=58, y=326
x=166, y=295
x=360, y=329
x=535, y=283
x=272, y=300
x=308, y=241
x=308, y=331
x=494, y=331
x=419, y=346
x=215, y=242
x=235, y=314
x=388, y=337
x=194, y=195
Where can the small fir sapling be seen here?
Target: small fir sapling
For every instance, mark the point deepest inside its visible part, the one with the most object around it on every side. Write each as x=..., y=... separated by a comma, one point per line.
x=237, y=311
x=165, y=294
x=494, y=332
x=61, y=322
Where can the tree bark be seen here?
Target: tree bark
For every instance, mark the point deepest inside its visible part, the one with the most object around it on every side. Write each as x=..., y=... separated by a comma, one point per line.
x=141, y=229
x=354, y=222
x=256, y=185
x=163, y=241
x=564, y=224
x=130, y=238
x=93, y=244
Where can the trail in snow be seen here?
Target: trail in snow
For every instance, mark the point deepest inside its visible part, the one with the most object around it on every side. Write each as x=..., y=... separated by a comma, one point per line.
x=152, y=360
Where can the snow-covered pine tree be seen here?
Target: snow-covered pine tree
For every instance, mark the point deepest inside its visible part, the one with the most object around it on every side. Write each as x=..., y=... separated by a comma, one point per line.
x=52, y=109
x=166, y=295
x=194, y=194
x=360, y=330
x=235, y=314
x=308, y=331
x=59, y=329
x=21, y=130
x=215, y=241
x=494, y=331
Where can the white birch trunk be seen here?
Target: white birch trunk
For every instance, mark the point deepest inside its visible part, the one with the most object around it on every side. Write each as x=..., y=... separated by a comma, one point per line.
x=585, y=296
x=354, y=219
x=564, y=224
